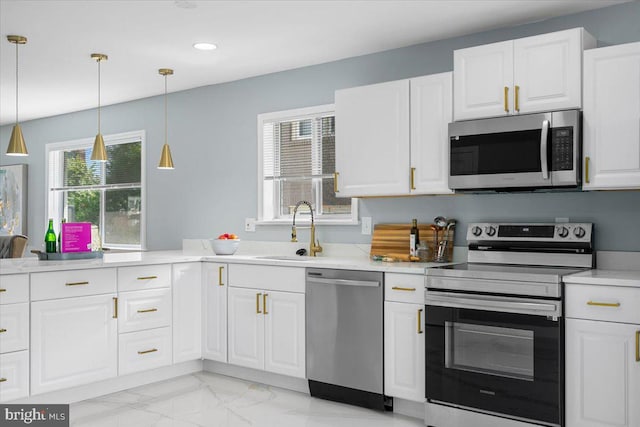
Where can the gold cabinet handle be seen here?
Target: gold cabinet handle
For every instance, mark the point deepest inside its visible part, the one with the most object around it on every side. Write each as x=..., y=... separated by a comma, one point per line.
x=637, y=346
x=220, y=270
x=506, y=99
x=153, y=350
x=335, y=182
x=147, y=277
x=149, y=310
x=587, y=160
x=2, y=331
x=413, y=178
x=3, y=290
x=399, y=288
x=517, y=95
x=76, y=283
x=603, y=304
x=115, y=307
x=264, y=303
x=420, y=321
x=2, y=380
x=258, y=304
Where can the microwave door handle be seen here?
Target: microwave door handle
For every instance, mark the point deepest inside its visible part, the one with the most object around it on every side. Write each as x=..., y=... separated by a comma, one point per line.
x=544, y=161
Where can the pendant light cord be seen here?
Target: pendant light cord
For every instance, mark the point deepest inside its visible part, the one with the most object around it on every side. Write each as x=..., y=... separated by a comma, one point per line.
x=16, y=83
x=166, y=137
x=99, y=59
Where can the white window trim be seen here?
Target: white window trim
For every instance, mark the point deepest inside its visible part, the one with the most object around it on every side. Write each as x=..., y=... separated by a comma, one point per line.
x=298, y=113
x=112, y=139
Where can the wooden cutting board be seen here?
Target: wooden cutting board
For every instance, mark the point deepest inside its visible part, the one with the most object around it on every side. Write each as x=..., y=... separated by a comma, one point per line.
x=393, y=240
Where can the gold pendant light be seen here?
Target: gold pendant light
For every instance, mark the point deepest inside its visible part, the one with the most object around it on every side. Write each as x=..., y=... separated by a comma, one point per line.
x=99, y=152
x=166, y=162
x=17, y=147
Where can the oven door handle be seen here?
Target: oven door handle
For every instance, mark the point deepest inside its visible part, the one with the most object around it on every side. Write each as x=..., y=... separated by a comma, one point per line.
x=500, y=304
x=544, y=160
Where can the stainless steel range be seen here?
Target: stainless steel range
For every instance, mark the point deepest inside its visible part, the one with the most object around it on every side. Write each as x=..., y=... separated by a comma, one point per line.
x=494, y=326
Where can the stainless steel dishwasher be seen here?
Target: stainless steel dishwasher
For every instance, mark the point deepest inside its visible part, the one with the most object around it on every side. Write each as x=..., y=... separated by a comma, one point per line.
x=345, y=336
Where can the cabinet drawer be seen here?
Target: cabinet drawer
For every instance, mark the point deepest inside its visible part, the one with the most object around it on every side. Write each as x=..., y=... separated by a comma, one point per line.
x=609, y=303
x=14, y=375
x=144, y=277
x=404, y=288
x=288, y=279
x=72, y=283
x=144, y=310
x=14, y=327
x=139, y=351
x=14, y=288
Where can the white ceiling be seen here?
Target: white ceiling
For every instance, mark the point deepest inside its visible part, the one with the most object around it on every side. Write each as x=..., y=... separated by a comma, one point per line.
x=253, y=37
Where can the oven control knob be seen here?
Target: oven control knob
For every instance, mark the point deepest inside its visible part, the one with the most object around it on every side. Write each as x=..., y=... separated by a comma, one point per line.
x=579, y=232
x=563, y=231
x=490, y=230
x=476, y=231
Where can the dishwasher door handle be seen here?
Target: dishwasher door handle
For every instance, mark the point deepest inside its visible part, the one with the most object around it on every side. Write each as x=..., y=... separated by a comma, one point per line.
x=342, y=282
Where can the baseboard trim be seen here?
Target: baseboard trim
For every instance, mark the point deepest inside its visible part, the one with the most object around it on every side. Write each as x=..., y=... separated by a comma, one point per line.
x=408, y=408
x=248, y=374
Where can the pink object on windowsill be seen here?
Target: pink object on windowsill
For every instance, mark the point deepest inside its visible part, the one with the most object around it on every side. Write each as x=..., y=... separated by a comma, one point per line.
x=76, y=237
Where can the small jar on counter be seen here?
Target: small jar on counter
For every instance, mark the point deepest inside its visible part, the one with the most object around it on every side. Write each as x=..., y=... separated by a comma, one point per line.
x=424, y=252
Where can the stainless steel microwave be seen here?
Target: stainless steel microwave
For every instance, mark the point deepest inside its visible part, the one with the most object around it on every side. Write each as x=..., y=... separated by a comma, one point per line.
x=530, y=151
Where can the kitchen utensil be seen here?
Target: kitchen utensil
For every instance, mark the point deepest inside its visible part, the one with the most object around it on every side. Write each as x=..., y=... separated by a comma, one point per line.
x=450, y=223
x=440, y=221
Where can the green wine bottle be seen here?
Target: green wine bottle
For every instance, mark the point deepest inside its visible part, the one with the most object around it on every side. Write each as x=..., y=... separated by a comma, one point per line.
x=50, y=239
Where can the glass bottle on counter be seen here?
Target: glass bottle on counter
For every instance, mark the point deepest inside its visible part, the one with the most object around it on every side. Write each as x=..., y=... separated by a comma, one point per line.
x=50, y=239
x=414, y=238
x=60, y=235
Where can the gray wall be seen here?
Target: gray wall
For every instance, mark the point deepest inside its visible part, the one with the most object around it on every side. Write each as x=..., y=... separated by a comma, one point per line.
x=213, y=139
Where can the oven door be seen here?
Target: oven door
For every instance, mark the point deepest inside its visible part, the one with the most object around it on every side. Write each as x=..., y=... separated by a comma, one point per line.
x=482, y=354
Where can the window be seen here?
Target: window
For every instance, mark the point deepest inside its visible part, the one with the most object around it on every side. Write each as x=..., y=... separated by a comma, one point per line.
x=297, y=162
x=107, y=194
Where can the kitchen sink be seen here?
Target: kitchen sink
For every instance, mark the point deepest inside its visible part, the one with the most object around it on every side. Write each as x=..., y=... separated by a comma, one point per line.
x=284, y=257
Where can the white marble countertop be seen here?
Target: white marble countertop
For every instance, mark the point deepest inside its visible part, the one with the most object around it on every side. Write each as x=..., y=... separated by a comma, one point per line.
x=32, y=264
x=605, y=277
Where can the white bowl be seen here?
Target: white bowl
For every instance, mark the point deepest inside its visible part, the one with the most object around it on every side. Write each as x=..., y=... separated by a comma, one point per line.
x=225, y=247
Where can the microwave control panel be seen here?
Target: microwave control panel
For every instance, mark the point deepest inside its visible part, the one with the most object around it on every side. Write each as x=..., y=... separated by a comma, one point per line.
x=562, y=149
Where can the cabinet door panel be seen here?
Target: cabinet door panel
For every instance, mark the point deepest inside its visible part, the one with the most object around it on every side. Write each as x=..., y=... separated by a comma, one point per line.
x=14, y=327
x=14, y=371
x=73, y=342
x=284, y=331
x=480, y=75
x=602, y=374
x=372, y=140
x=187, y=311
x=547, y=69
x=140, y=310
x=246, y=328
x=404, y=351
x=214, y=288
x=611, y=118
x=431, y=113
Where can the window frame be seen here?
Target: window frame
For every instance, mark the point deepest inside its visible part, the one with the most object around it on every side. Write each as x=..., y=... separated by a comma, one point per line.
x=287, y=115
x=54, y=202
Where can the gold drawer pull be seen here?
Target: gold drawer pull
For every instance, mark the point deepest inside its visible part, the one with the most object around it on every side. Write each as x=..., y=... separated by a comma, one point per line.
x=335, y=182
x=420, y=321
x=115, y=307
x=517, y=98
x=506, y=99
x=258, y=304
x=153, y=350
x=2, y=380
x=76, y=283
x=149, y=310
x=587, y=159
x=220, y=270
x=264, y=303
x=2, y=331
x=147, y=277
x=637, y=346
x=400, y=288
x=603, y=304
x=413, y=178
x=3, y=290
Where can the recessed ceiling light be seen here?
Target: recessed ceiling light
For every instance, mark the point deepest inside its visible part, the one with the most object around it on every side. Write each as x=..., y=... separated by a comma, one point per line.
x=205, y=46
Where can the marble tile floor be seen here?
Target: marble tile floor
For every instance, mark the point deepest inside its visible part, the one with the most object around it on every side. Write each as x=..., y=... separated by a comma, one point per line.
x=210, y=400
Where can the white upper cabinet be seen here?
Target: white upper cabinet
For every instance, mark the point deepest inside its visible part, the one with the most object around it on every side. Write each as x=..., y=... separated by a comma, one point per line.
x=431, y=113
x=528, y=75
x=372, y=140
x=611, y=119
x=391, y=138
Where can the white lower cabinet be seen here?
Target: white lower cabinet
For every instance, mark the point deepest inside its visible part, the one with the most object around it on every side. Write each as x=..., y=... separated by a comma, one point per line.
x=602, y=374
x=141, y=310
x=14, y=327
x=14, y=375
x=214, y=311
x=73, y=342
x=187, y=311
x=143, y=350
x=267, y=330
x=404, y=359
